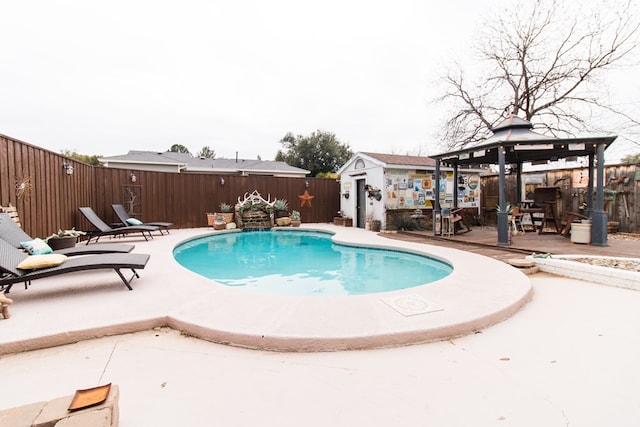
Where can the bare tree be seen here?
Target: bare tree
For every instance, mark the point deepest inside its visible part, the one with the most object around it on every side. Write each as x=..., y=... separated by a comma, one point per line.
x=544, y=61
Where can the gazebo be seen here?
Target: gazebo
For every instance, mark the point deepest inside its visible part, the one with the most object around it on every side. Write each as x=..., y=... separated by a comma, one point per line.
x=513, y=143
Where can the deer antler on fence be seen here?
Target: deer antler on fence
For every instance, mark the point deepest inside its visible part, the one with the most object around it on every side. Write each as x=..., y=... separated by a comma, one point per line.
x=255, y=198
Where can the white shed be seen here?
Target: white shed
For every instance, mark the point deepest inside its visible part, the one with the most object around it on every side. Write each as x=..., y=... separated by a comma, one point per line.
x=371, y=184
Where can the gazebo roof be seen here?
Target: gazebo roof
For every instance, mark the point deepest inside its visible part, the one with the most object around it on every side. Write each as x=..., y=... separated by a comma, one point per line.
x=521, y=144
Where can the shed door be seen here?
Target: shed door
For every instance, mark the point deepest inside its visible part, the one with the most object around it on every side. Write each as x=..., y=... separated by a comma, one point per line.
x=361, y=204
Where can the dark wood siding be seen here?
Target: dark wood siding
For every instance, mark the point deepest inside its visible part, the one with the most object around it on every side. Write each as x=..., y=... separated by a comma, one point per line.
x=183, y=199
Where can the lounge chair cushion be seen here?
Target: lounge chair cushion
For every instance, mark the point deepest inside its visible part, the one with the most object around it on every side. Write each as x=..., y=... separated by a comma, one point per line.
x=133, y=221
x=33, y=262
x=37, y=246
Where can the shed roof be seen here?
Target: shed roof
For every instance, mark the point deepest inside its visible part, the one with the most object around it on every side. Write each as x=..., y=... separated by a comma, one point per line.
x=400, y=160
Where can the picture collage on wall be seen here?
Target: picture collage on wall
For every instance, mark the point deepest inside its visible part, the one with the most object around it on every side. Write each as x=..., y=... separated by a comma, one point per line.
x=417, y=191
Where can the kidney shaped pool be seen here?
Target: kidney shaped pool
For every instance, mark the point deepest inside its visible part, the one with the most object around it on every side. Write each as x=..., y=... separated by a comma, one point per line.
x=304, y=263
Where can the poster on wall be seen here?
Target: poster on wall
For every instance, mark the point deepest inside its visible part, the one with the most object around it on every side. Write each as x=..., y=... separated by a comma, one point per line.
x=468, y=191
x=580, y=178
x=417, y=191
x=409, y=191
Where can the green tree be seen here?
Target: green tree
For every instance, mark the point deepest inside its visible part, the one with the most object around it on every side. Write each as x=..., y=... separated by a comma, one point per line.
x=84, y=158
x=541, y=59
x=178, y=148
x=631, y=159
x=206, y=152
x=320, y=152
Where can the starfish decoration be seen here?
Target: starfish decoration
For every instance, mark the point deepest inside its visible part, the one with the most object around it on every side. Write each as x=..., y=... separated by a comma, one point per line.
x=305, y=199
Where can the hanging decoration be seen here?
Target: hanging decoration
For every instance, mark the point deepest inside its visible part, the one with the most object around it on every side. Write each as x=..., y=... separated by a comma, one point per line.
x=23, y=186
x=132, y=199
x=305, y=199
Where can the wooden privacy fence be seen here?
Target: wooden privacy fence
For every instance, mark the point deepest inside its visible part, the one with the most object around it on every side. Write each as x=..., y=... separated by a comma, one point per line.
x=47, y=197
x=184, y=198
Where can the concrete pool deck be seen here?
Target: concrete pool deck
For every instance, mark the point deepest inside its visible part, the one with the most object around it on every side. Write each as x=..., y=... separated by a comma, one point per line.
x=568, y=357
x=479, y=292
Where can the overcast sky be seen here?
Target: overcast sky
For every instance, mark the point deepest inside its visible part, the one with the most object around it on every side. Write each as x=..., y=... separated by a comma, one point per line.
x=106, y=77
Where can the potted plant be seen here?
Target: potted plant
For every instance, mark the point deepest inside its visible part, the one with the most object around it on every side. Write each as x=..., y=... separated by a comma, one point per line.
x=226, y=212
x=64, y=239
x=295, y=218
x=372, y=224
x=281, y=208
x=211, y=217
x=219, y=223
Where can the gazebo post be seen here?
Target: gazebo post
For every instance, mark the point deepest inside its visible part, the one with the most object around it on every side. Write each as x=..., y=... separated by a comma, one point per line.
x=455, y=186
x=436, y=205
x=518, y=183
x=599, y=216
x=590, y=186
x=502, y=216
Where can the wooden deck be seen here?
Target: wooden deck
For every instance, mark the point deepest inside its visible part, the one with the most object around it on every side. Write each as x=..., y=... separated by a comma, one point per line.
x=483, y=241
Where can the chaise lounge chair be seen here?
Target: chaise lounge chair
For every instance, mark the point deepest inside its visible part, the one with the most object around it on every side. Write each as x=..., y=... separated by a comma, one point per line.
x=11, y=257
x=12, y=233
x=124, y=217
x=106, y=230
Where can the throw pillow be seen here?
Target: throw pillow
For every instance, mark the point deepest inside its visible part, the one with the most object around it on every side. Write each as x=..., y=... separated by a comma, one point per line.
x=133, y=221
x=33, y=262
x=37, y=247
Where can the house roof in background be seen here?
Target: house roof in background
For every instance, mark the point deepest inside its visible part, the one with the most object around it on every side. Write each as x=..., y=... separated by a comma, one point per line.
x=188, y=163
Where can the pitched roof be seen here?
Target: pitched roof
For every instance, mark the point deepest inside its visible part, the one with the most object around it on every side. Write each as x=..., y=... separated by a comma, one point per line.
x=135, y=156
x=202, y=164
x=396, y=159
x=515, y=138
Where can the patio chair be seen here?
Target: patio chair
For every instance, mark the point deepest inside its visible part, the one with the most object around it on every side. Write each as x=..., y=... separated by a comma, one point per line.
x=11, y=257
x=447, y=225
x=12, y=233
x=127, y=220
x=459, y=221
x=105, y=230
x=516, y=222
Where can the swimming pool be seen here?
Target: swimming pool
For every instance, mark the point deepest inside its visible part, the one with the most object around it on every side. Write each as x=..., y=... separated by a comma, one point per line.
x=305, y=263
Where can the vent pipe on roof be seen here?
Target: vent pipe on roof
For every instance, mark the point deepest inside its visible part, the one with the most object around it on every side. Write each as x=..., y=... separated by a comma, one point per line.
x=236, y=157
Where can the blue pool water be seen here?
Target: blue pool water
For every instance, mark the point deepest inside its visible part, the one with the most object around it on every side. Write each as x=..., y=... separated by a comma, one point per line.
x=304, y=263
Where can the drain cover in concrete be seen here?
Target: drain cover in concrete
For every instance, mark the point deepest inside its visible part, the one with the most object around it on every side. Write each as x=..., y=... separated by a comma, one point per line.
x=409, y=305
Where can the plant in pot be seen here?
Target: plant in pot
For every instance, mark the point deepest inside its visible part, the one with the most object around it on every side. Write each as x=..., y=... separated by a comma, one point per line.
x=211, y=217
x=226, y=212
x=64, y=239
x=372, y=224
x=295, y=218
x=219, y=223
x=281, y=208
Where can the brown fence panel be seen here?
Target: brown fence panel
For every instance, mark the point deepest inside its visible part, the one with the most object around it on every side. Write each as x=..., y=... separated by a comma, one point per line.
x=185, y=199
x=51, y=196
